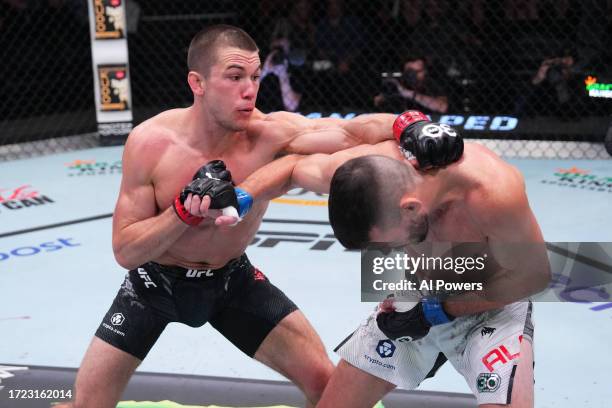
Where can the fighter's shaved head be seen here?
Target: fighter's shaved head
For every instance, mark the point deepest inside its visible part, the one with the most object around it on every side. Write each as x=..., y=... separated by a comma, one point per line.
x=365, y=192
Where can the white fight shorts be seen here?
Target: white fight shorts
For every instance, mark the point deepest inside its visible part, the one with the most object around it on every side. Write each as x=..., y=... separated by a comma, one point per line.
x=484, y=348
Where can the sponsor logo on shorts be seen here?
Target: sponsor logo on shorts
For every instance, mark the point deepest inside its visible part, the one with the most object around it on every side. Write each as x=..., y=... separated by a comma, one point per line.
x=114, y=330
x=385, y=348
x=117, y=319
x=575, y=177
x=114, y=87
x=109, y=16
x=194, y=273
x=488, y=382
x=80, y=167
x=258, y=275
x=487, y=331
x=146, y=278
x=22, y=197
x=502, y=354
x=378, y=362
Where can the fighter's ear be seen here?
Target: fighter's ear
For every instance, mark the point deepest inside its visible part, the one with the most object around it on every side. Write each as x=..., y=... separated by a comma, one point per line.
x=196, y=83
x=410, y=204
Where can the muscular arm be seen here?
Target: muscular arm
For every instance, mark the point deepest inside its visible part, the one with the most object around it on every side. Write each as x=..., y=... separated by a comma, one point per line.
x=516, y=249
x=313, y=172
x=272, y=180
x=140, y=234
x=297, y=134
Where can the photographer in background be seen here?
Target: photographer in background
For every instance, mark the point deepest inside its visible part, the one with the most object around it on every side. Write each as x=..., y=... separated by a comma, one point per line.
x=414, y=90
x=278, y=91
x=556, y=89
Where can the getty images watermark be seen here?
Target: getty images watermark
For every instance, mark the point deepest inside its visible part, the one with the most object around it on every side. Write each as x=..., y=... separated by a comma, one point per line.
x=493, y=271
x=413, y=264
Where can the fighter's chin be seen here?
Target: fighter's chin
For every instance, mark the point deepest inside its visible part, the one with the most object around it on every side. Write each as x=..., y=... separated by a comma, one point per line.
x=237, y=125
x=242, y=120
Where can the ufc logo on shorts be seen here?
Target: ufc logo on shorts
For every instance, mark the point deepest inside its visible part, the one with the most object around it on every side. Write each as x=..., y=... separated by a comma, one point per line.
x=194, y=273
x=438, y=129
x=147, y=279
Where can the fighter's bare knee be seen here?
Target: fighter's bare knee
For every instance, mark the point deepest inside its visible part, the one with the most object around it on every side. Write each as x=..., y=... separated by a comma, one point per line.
x=295, y=350
x=315, y=379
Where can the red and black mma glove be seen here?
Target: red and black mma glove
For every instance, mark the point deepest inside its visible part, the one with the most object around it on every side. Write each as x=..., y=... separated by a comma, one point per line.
x=432, y=144
x=222, y=194
x=412, y=324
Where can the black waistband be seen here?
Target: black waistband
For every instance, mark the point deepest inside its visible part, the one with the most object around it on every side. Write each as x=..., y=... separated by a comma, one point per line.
x=180, y=272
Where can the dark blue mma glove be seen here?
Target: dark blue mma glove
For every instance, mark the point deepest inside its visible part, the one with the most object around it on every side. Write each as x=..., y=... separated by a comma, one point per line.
x=432, y=144
x=237, y=207
x=412, y=324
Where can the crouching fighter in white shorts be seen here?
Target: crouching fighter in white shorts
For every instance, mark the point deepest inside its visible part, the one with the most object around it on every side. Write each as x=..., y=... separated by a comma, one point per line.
x=487, y=335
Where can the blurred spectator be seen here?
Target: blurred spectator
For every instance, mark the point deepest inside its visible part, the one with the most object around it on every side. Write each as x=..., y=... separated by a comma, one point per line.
x=298, y=28
x=473, y=56
x=339, y=36
x=277, y=90
x=255, y=17
x=556, y=89
x=414, y=90
x=382, y=37
x=521, y=10
x=339, y=44
x=409, y=17
x=591, y=39
x=520, y=25
x=425, y=27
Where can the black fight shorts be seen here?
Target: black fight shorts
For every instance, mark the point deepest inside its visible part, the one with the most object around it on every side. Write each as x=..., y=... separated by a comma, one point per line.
x=238, y=300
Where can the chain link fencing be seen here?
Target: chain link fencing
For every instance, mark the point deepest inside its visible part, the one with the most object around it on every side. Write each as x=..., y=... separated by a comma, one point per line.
x=528, y=76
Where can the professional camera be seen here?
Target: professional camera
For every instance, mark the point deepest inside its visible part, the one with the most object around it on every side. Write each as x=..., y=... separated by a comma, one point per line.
x=409, y=79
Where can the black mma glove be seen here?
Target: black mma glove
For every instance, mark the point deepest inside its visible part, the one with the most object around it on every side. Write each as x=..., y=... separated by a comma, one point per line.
x=221, y=195
x=412, y=324
x=214, y=169
x=432, y=144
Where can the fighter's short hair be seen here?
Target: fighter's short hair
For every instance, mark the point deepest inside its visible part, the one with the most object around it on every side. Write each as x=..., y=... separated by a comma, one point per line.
x=365, y=192
x=202, y=52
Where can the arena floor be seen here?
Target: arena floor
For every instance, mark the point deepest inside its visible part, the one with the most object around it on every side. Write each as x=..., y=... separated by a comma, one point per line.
x=58, y=277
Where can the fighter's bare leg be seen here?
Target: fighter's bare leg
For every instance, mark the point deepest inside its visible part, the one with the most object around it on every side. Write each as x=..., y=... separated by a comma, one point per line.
x=522, y=388
x=351, y=387
x=294, y=349
x=102, y=377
